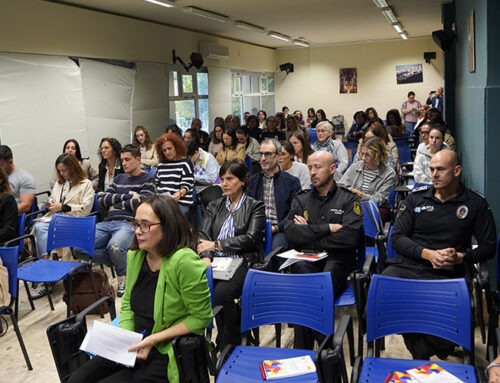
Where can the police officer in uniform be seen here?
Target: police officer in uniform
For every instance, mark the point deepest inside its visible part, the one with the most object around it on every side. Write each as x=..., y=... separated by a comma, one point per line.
x=432, y=237
x=326, y=218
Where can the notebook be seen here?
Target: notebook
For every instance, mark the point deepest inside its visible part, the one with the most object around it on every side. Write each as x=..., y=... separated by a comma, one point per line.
x=224, y=267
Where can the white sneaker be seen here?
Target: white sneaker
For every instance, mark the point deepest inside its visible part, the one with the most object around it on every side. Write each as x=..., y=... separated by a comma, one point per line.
x=121, y=285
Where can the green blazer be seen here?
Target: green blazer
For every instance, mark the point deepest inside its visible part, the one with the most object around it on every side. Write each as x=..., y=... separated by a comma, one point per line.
x=182, y=295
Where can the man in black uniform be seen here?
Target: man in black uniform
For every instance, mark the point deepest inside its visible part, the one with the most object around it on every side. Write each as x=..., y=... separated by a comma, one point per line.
x=326, y=218
x=432, y=237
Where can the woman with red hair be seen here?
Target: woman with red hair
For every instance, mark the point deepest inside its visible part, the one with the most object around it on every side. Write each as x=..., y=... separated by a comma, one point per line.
x=174, y=175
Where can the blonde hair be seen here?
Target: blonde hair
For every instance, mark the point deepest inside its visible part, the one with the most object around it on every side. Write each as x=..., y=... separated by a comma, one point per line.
x=377, y=146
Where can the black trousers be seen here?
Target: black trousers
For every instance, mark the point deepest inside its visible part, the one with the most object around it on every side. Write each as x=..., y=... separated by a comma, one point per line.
x=225, y=292
x=305, y=337
x=100, y=370
x=422, y=346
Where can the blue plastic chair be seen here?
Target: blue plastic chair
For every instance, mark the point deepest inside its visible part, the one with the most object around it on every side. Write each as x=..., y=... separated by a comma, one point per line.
x=353, y=147
x=373, y=226
x=436, y=307
x=268, y=241
x=64, y=231
x=152, y=171
x=95, y=206
x=391, y=253
x=313, y=136
x=404, y=151
x=9, y=256
x=248, y=162
x=301, y=299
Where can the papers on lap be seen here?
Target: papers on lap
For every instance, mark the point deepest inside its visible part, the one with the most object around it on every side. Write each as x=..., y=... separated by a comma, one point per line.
x=286, y=368
x=111, y=342
x=221, y=263
x=294, y=256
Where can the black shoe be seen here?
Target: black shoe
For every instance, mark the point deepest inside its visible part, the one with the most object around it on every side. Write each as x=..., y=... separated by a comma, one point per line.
x=41, y=290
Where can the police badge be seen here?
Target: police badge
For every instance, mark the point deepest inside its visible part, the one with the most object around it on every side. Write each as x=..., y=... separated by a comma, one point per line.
x=462, y=212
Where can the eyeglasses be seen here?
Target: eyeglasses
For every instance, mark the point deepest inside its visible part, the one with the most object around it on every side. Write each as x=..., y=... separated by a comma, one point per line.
x=267, y=154
x=144, y=227
x=321, y=131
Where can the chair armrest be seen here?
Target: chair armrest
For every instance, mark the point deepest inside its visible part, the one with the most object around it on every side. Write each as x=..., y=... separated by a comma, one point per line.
x=345, y=327
x=480, y=375
x=222, y=358
x=17, y=239
x=356, y=369
x=368, y=265
x=35, y=213
x=43, y=192
x=111, y=305
x=268, y=257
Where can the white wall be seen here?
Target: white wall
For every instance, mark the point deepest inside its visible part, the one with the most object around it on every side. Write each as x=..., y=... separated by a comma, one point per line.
x=219, y=93
x=315, y=81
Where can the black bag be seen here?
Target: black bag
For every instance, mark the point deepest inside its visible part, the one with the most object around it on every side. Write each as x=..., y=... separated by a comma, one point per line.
x=82, y=294
x=193, y=358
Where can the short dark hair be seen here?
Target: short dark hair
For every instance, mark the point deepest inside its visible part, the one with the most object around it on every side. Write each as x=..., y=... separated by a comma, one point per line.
x=411, y=93
x=361, y=113
x=232, y=133
x=436, y=125
x=5, y=153
x=283, y=109
x=78, y=153
x=243, y=130
x=192, y=148
x=132, y=149
x=194, y=133
x=237, y=168
x=176, y=229
x=288, y=147
x=174, y=129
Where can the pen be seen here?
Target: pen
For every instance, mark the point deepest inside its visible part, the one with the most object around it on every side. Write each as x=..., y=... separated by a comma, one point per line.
x=143, y=332
x=308, y=256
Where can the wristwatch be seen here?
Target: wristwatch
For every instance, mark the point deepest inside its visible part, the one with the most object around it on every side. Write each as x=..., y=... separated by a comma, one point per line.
x=492, y=364
x=217, y=245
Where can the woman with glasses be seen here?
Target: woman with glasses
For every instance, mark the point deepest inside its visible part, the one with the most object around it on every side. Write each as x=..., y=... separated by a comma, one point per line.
x=215, y=145
x=336, y=147
x=166, y=296
x=232, y=226
x=231, y=148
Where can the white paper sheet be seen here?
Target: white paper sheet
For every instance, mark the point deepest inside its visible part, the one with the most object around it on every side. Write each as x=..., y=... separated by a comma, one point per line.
x=221, y=263
x=294, y=256
x=111, y=342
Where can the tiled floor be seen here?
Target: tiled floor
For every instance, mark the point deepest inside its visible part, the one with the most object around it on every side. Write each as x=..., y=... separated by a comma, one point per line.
x=33, y=325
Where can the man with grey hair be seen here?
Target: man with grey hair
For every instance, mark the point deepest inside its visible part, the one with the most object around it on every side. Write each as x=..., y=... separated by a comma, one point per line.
x=327, y=143
x=275, y=188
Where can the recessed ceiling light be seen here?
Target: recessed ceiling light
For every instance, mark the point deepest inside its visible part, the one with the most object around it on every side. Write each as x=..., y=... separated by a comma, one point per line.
x=278, y=36
x=301, y=43
x=397, y=27
x=389, y=15
x=251, y=27
x=380, y=3
x=404, y=36
x=206, y=14
x=163, y=3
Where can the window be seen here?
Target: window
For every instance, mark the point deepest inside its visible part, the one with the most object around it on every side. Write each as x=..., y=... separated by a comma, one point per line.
x=188, y=97
x=252, y=92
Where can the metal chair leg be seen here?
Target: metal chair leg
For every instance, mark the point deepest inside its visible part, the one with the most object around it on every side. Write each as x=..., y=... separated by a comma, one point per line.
x=20, y=339
x=95, y=291
x=49, y=297
x=29, y=295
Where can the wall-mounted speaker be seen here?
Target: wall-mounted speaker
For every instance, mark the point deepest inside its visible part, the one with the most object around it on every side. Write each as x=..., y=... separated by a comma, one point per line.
x=288, y=68
x=443, y=39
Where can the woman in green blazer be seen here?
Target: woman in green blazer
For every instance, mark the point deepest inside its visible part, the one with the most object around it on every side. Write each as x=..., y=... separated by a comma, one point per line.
x=166, y=295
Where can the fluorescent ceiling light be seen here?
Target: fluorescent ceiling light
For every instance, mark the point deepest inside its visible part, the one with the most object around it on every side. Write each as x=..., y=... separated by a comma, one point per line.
x=389, y=15
x=404, y=36
x=380, y=3
x=397, y=27
x=301, y=43
x=278, y=36
x=163, y=3
x=206, y=14
x=251, y=27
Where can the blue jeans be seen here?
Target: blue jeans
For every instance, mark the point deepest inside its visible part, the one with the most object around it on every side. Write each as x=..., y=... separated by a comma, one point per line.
x=409, y=126
x=112, y=240
x=278, y=240
x=41, y=234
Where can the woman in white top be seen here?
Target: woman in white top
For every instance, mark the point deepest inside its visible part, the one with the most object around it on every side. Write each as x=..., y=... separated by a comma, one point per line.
x=148, y=152
x=288, y=164
x=421, y=166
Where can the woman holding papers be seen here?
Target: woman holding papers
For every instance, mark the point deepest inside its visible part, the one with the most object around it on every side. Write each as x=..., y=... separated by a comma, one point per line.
x=232, y=226
x=166, y=296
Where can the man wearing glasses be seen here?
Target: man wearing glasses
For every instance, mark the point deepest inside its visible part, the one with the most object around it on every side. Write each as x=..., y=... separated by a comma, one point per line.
x=114, y=235
x=275, y=188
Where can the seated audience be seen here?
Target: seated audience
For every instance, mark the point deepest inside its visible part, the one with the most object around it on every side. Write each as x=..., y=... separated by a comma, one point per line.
x=436, y=100
x=359, y=126
x=288, y=164
x=174, y=175
x=303, y=150
x=281, y=122
x=114, y=236
x=433, y=237
x=167, y=295
x=336, y=147
x=148, y=152
x=434, y=115
x=320, y=117
x=372, y=115
x=22, y=184
x=235, y=123
x=272, y=130
x=424, y=129
x=262, y=115
x=292, y=126
x=232, y=226
x=72, y=195
x=326, y=218
x=191, y=135
x=110, y=165
x=72, y=147
x=311, y=117
x=173, y=128
x=251, y=144
x=216, y=140
x=253, y=128
x=371, y=179
x=227, y=121
x=206, y=167
x=8, y=210
x=275, y=188
x=377, y=130
x=394, y=125
x=285, y=110
x=203, y=136
x=245, y=117
x=410, y=110
x=298, y=115
x=231, y=148
x=421, y=169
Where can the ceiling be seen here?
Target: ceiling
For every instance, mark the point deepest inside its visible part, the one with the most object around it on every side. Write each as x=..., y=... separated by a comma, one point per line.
x=320, y=22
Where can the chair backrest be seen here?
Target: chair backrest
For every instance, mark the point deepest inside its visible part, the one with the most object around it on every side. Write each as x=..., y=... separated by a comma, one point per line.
x=95, y=206
x=302, y=299
x=10, y=257
x=210, y=279
x=392, y=197
x=313, y=136
x=404, y=151
x=209, y=194
x=436, y=307
x=67, y=231
x=372, y=222
x=152, y=171
x=391, y=253
x=352, y=146
x=21, y=227
x=268, y=240
x=248, y=162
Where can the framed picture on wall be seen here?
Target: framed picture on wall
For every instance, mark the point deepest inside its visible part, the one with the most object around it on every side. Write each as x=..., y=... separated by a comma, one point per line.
x=406, y=74
x=471, y=42
x=348, y=80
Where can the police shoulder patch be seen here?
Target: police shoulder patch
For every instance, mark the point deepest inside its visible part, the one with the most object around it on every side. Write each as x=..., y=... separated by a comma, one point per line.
x=356, y=208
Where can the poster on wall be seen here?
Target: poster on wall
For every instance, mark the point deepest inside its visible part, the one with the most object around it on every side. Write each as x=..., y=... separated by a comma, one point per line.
x=348, y=79
x=406, y=74
x=471, y=42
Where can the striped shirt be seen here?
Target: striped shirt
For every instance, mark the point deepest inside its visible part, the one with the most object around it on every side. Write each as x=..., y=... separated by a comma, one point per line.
x=173, y=176
x=269, y=202
x=120, y=195
x=227, y=229
x=368, y=177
